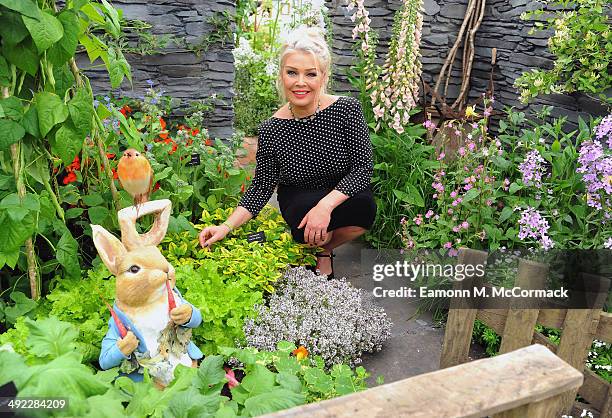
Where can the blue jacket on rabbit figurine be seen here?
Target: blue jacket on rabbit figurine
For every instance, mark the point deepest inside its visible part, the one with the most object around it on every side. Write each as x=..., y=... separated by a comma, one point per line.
x=111, y=356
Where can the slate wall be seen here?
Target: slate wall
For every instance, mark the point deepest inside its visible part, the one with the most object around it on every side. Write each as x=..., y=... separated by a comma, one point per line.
x=517, y=50
x=180, y=73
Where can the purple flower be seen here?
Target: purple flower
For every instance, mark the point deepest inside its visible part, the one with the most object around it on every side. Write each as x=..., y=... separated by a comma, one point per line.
x=605, y=129
x=532, y=169
x=429, y=214
x=448, y=244
x=465, y=224
x=595, y=165
x=150, y=82
x=534, y=225
x=429, y=124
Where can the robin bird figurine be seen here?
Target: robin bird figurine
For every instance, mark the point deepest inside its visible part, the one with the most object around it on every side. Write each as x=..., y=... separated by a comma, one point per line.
x=135, y=175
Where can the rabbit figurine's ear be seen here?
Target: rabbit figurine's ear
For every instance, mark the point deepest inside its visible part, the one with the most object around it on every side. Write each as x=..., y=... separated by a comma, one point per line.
x=109, y=247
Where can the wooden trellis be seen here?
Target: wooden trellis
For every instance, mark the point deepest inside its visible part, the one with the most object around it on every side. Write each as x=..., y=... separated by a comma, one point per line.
x=517, y=328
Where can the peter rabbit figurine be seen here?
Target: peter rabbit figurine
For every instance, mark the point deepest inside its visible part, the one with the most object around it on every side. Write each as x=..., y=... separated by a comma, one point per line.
x=151, y=323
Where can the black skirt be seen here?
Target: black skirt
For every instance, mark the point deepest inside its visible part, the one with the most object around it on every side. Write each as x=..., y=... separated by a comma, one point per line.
x=358, y=210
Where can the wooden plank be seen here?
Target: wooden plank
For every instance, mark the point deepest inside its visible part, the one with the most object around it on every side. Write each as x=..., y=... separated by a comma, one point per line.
x=472, y=390
x=461, y=316
x=606, y=409
x=604, y=328
x=552, y=318
x=575, y=343
x=520, y=322
x=547, y=408
x=494, y=318
x=594, y=390
x=539, y=338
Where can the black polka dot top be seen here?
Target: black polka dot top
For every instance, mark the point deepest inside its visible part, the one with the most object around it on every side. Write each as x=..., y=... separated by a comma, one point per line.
x=330, y=151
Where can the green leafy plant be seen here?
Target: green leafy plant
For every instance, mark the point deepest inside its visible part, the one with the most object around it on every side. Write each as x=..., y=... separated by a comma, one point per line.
x=46, y=113
x=272, y=380
x=581, y=45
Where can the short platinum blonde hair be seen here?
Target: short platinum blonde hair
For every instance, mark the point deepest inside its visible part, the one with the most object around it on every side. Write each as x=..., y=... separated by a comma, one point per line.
x=309, y=40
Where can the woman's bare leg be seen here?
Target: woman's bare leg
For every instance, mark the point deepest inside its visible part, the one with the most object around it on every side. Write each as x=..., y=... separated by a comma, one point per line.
x=335, y=239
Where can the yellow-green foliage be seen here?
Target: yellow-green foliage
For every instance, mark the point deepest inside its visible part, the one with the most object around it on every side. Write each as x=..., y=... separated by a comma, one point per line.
x=259, y=264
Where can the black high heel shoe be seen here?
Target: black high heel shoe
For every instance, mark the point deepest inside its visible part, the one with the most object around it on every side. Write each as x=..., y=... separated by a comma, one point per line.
x=331, y=256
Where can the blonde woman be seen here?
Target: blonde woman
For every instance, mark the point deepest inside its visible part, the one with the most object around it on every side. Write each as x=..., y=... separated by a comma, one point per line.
x=316, y=149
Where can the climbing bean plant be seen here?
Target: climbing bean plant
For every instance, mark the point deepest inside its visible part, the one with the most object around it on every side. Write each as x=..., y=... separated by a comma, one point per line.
x=46, y=115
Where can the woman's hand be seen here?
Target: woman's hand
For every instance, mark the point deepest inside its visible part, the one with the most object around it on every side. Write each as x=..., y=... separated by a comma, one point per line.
x=212, y=234
x=316, y=222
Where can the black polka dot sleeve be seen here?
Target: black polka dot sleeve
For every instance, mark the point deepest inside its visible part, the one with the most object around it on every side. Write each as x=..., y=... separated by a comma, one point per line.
x=266, y=175
x=359, y=148
x=331, y=150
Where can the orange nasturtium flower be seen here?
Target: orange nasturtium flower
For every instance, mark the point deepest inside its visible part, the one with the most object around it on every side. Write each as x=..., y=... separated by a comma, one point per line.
x=162, y=123
x=300, y=352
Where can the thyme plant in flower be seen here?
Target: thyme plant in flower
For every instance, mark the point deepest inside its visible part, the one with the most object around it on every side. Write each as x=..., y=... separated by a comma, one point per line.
x=393, y=87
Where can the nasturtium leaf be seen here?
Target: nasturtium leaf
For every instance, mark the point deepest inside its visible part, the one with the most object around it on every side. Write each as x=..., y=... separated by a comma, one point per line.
x=344, y=385
x=67, y=254
x=50, y=338
x=23, y=55
x=81, y=110
x=275, y=400
x=290, y=382
x=13, y=234
x=10, y=132
x=12, y=29
x=62, y=51
x=46, y=30
x=259, y=380
x=51, y=111
x=25, y=7
x=22, y=306
x=285, y=346
x=318, y=380
x=67, y=142
x=98, y=214
x=11, y=108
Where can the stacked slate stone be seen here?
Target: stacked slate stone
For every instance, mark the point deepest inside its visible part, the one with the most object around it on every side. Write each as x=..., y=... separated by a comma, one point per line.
x=517, y=50
x=179, y=72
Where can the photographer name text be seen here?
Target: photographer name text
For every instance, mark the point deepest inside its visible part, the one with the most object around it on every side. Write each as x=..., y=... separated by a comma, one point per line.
x=475, y=292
